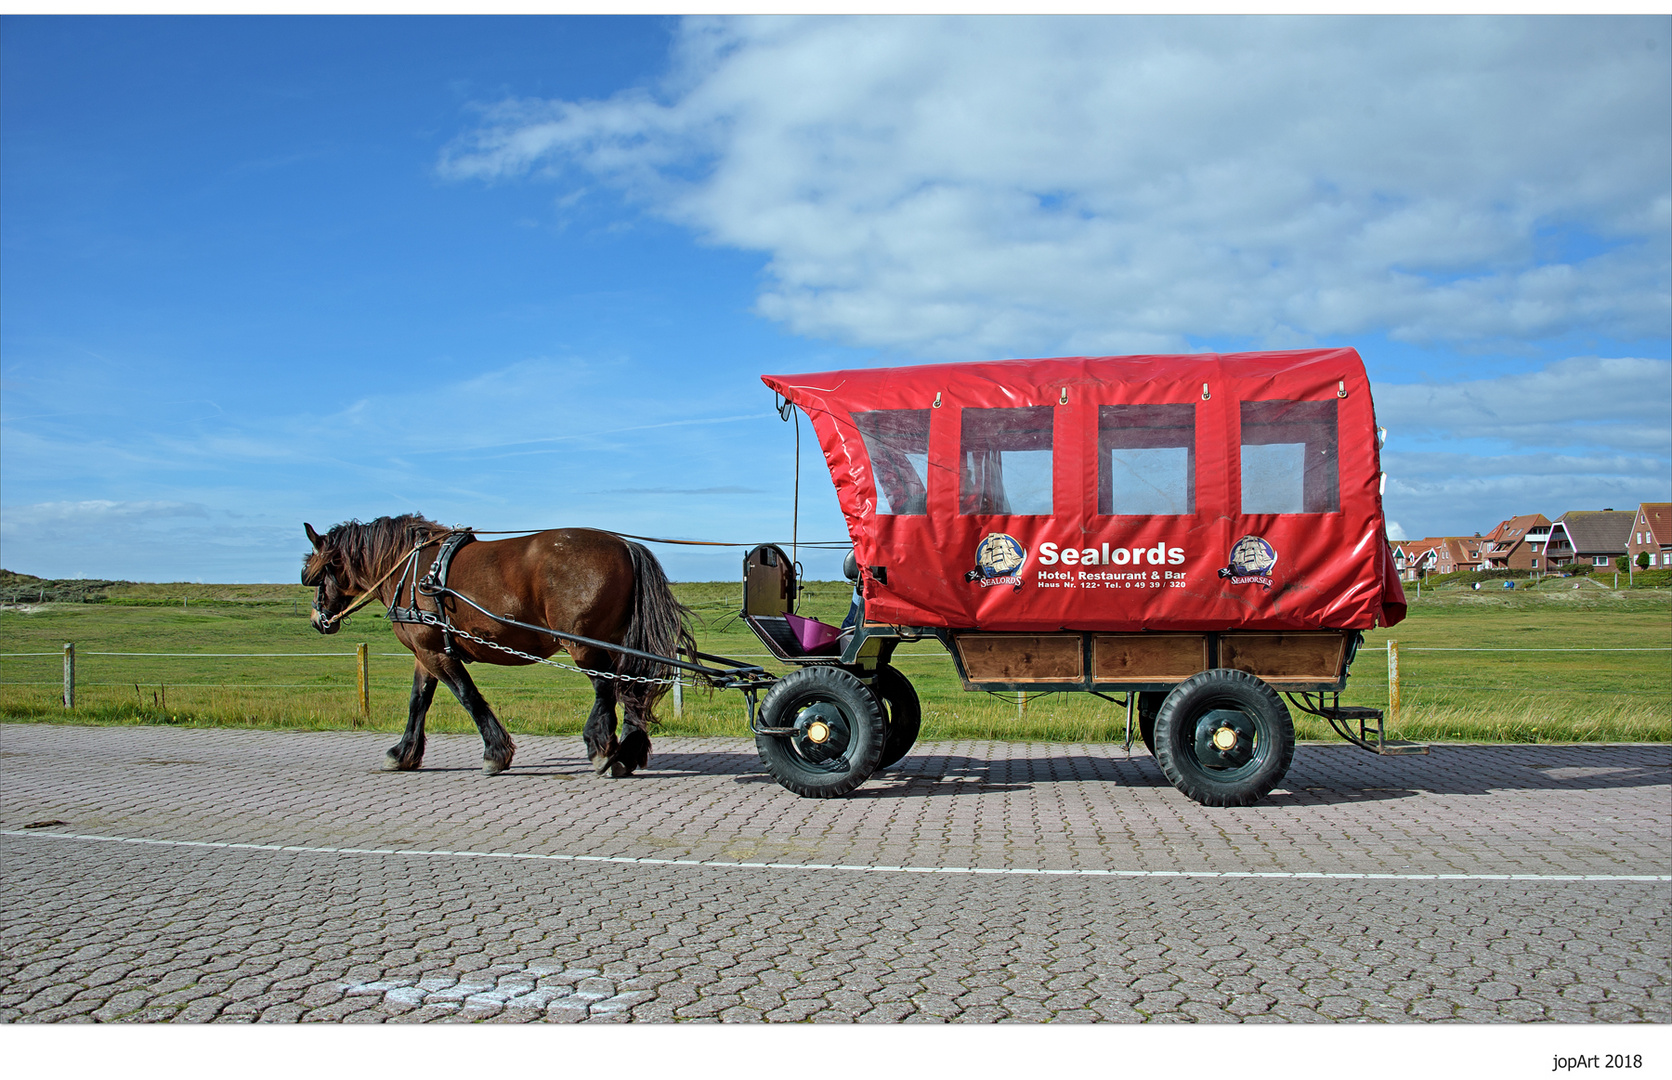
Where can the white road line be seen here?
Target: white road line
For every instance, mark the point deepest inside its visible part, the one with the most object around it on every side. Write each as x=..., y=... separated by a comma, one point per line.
x=1009, y=870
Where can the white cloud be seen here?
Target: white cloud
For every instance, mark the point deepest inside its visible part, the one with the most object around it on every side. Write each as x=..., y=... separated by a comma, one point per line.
x=137, y=539
x=1620, y=404
x=991, y=186
x=93, y=514
x=1582, y=433
x=538, y=443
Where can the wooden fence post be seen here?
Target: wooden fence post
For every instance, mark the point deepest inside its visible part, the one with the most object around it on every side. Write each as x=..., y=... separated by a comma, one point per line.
x=1393, y=681
x=363, y=659
x=69, y=674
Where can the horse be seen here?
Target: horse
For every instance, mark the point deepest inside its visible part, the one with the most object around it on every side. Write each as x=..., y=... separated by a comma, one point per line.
x=580, y=581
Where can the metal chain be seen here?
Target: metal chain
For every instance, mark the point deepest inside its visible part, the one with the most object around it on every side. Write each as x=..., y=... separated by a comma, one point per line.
x=430, y=620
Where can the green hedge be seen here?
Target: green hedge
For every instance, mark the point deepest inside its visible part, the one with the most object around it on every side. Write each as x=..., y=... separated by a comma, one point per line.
x=1641, y=579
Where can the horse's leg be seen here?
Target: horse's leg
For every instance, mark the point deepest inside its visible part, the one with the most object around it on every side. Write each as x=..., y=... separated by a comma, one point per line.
x=497, y=747
x=635, y=743
x=599, y=732
x=634, y=753
x=409, y=752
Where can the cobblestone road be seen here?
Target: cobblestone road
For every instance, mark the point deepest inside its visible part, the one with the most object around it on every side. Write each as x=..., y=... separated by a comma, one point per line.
x=158, y=874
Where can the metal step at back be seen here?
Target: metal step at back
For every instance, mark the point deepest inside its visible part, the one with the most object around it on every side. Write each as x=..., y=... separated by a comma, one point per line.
x=1380, y=743
x=1372, y=732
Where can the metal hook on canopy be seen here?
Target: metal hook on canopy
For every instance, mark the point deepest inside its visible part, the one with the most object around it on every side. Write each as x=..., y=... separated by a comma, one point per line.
x=1341, y=388
x=936, y=405
x=1063, y=400
x=1205, y=394
x=785, y=407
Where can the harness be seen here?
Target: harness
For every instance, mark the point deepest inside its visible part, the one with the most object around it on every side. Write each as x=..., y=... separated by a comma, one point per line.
x=433, y=585
x=749, y=678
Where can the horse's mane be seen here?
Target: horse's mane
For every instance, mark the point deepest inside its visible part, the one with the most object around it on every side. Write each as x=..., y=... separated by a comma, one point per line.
x=365, y=549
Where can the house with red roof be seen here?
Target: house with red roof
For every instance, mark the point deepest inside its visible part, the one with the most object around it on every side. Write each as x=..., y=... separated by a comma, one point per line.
x=1516, y=544
x=1652, y=533
x=1457, y=553
x=1414, y=558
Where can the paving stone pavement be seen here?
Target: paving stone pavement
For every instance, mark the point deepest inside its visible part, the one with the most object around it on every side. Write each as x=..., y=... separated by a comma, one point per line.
x=975, y=882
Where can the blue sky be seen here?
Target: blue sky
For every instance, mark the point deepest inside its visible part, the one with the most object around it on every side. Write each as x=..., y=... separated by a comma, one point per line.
x=520, y=272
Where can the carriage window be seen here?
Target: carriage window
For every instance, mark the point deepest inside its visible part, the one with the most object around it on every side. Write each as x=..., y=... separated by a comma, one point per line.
x=1005, y=461
x=1289, y=458
x=897, y=441
x=1146, y=459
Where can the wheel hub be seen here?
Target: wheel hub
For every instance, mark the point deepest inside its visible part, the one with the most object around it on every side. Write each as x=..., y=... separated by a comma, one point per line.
x=821, y=732
x=1224, y=739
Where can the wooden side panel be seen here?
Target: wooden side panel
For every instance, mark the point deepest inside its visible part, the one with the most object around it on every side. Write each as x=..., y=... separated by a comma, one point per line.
x=1148, y=658
x=1022, y=658
x=1308, y=656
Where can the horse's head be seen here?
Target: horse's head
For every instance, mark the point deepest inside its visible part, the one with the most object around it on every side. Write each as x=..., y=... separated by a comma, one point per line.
x=325, y=572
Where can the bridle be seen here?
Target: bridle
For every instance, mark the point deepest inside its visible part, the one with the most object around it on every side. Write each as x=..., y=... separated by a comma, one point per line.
x=316, y=581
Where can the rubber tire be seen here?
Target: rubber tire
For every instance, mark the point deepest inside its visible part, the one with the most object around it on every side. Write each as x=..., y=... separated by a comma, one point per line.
x=903, y=711
x=857, y=753
x=1149, y=705
x=1175, y=738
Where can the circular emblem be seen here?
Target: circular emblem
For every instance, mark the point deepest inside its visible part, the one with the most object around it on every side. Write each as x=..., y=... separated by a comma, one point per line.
x=1252, y=556
x=999, y=556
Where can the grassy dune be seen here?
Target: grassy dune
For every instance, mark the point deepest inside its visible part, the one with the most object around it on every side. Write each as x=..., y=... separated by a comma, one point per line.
x=1524, y=696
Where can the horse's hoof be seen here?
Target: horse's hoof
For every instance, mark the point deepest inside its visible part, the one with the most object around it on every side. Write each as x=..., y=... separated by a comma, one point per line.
x=490, y=767
x=391, y=763
x=601, y=764
x=618, y=770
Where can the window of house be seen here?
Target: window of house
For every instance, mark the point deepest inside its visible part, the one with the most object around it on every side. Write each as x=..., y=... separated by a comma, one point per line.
x=897, y=441
x=1146, y=459
x=1535, y=564
x=1289, y=458
x=1599, y=560
x=1004, y=461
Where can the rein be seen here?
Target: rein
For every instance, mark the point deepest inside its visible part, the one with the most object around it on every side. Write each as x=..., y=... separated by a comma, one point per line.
x=371, y=592
x=665, y=540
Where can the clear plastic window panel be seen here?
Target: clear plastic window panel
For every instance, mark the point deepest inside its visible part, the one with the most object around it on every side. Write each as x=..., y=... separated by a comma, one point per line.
x=897, y=441
x=1289, y=458
x=1005, y=461
x=1146, y=459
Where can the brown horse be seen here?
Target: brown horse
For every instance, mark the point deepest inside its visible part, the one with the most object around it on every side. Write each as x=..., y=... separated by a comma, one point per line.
x=579, y=581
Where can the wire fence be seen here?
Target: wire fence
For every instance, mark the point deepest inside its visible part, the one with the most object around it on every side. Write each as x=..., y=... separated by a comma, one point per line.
x=345, y=680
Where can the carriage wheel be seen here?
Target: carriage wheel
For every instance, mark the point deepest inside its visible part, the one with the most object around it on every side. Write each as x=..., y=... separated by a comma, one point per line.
x=1149, y=704
x=1224, y=738
x=903, y=713
x=839, y=732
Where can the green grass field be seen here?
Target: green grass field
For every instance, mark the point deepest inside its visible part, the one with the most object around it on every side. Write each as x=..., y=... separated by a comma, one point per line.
x=1447, y=694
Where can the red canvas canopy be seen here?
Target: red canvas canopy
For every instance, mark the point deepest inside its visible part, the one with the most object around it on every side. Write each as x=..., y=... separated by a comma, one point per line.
x=1113, y=493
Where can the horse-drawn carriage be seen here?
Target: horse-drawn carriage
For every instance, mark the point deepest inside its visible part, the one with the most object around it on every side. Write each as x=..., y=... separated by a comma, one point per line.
x=1196, y=533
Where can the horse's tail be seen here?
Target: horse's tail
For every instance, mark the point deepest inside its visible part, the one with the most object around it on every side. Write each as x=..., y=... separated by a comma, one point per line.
x=660, y=625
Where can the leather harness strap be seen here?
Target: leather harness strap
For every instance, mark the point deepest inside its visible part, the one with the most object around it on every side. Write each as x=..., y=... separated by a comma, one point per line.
x=432, y=584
